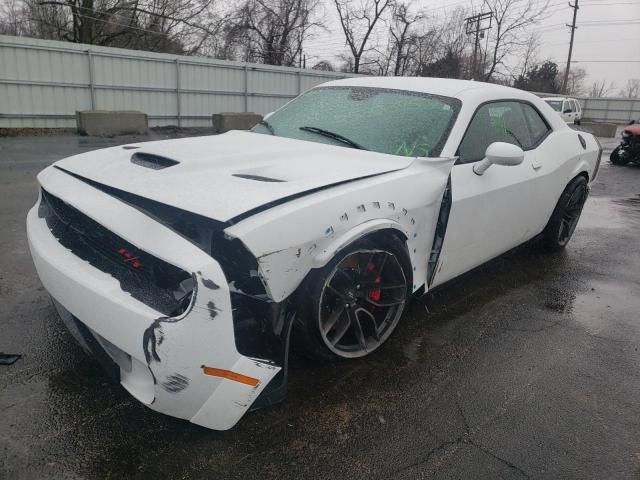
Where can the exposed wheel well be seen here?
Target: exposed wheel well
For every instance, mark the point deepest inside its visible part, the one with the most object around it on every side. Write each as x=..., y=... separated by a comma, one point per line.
x=381, y=236
x=386, y=233
x=584, y=174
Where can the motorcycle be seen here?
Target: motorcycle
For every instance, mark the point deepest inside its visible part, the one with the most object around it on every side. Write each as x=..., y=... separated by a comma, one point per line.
x=629, y=149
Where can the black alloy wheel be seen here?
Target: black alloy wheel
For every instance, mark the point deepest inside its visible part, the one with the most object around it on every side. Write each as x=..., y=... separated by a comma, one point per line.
x=566, y=215
x=353, y=304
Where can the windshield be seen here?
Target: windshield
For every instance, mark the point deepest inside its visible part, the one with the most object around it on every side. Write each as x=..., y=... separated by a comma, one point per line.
x=395, y=122
x=555, y=104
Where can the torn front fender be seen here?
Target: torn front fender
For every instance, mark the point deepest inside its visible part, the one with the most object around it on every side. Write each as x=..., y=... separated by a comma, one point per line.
x=290, y=240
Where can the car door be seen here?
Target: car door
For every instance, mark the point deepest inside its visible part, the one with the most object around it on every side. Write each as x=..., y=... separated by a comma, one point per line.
x=496, y=211
x=578, y=109
x=568, y=111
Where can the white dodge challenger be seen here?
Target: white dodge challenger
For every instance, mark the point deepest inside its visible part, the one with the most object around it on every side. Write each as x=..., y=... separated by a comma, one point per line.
x=184, y=265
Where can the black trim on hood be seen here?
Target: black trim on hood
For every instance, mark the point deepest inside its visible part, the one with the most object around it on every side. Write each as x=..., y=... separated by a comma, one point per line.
x=288, y=198
x=148, y=206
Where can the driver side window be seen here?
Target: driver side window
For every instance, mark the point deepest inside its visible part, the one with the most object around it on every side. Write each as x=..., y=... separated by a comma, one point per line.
x=494, y=122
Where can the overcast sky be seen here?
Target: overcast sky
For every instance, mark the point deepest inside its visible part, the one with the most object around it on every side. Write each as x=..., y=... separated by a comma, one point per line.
x=607, y=42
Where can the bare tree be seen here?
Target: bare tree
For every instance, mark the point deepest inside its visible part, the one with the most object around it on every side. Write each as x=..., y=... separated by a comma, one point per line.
x=377, y=61
x=324, y=66
x=403, y=37
x=631, y=89
x=511, y=18
x=427, y=47
x=277, y=29
x=575, y=81
x=358, y=19
x=11, y=16
x=530, y=54
x=600, y=88
x=29, y=18
x=176, y=26
x=441, y=50
x=401, y=43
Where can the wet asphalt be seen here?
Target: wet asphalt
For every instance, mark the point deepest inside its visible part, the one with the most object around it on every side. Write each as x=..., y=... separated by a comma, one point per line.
x=527, y=367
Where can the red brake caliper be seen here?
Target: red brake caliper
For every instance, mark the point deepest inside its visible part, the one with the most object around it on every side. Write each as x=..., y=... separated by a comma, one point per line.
x=375, y=293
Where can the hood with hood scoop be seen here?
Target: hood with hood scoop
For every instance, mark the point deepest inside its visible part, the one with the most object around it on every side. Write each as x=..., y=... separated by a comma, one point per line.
x=224, y=176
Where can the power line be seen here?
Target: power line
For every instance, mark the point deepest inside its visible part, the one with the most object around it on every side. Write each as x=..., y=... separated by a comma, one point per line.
x=607, y=61
x=608, y=4
x=607, y=40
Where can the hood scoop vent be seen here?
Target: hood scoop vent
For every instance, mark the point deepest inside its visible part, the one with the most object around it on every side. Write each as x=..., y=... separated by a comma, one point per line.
x=257, y=178
x=154, y=162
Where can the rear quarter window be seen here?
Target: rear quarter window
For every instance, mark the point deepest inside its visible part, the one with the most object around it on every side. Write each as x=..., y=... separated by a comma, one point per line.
x=537, y=124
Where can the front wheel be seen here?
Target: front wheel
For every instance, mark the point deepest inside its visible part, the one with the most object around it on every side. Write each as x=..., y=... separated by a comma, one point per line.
x=350, y=307
x=618, y=157
x=566, y=215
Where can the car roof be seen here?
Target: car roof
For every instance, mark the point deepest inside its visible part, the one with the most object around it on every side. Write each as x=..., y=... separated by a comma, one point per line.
x=558, y=98
x=447, y=87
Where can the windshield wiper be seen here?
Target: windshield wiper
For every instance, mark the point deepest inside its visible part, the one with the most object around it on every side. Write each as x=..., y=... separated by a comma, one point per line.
x=335, y=136
x=268, y=126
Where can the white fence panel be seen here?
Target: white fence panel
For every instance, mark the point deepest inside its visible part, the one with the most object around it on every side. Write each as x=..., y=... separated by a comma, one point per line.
x=43, y=83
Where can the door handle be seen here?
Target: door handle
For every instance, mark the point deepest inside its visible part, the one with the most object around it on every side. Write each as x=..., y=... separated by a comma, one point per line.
x=536, y=165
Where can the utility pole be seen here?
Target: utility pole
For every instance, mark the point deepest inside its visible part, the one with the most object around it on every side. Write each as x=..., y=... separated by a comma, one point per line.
x=573, y=31
x=476, y=25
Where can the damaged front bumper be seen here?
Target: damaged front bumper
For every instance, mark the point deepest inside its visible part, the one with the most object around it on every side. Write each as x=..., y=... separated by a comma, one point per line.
x=186, y=366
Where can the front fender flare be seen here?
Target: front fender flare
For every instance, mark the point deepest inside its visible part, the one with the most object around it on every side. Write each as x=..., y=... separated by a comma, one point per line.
x=291, y=265
x=329, y=250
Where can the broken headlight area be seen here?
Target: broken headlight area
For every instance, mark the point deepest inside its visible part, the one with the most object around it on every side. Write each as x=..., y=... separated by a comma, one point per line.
x=257, y=326
x=258, y=322
x=164, y=287
x=239, y=265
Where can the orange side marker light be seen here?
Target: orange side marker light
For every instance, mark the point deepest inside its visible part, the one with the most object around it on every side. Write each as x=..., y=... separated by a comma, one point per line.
x=229, y=375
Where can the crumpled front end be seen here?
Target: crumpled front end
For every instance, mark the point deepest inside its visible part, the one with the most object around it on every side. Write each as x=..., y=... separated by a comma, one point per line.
x=157, y=306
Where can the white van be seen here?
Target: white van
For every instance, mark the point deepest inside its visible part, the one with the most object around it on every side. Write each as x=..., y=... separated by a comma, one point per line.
x=568, y=108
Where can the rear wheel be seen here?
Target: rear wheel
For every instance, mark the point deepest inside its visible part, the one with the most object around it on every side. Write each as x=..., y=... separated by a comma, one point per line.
x=618, y=157
x=352, y=305
x=566, y=215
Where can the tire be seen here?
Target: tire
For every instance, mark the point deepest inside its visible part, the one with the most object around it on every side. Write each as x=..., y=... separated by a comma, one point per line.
x=342, y=307
x=616, y=158
x=566, y=215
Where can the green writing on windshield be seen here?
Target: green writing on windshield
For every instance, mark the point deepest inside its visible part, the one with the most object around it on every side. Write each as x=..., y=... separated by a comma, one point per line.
x=416, y=149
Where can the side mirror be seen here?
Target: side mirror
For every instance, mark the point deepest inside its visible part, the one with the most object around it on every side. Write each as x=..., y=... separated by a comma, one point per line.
x=267, y=115
x=499, y=153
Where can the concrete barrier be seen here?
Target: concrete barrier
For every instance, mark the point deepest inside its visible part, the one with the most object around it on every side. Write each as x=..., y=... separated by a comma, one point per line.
x=104, y=123
x=600, y=129
x=225, y=121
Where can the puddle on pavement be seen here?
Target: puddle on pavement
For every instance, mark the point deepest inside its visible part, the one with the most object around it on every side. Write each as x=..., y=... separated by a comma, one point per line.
x=594, y=308
x=607, y=212
x=630, y=205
